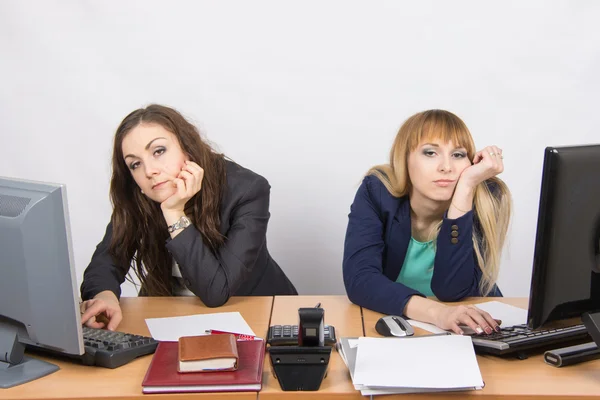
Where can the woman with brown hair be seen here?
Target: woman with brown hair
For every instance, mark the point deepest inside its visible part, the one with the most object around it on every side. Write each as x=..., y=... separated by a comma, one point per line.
x=432, y=223
x=185, y=219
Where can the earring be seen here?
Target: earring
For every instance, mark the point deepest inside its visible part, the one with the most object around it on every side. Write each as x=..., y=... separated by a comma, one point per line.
x=141, y=190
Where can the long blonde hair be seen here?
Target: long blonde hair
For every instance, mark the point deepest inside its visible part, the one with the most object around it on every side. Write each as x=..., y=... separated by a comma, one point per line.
x=492, y=210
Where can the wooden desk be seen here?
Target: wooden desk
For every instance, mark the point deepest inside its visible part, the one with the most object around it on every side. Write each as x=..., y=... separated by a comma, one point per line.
x=510, y=378
x=74, y=381
x=345, y=317
x=505, y=378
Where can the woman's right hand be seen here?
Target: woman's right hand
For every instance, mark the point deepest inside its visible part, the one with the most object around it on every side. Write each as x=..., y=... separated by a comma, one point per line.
x=101, y=311
x=451, y=317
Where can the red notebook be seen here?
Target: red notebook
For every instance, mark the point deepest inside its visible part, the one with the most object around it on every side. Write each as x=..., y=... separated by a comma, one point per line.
x=162, y=375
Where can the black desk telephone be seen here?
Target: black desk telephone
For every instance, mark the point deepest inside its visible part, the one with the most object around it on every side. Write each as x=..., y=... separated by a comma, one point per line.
x=287, y=335
x=300, y=353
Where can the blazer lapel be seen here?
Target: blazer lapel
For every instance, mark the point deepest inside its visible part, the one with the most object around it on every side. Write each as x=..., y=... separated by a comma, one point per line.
x=398, y=236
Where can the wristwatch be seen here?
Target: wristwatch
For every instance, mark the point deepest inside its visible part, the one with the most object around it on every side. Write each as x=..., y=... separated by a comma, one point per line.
x=181, y=223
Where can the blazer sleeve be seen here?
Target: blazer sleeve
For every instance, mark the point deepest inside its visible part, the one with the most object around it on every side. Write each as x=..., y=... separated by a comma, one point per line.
x=214, y=277
x=365, y=283
x=102, y=273
x=456, y=273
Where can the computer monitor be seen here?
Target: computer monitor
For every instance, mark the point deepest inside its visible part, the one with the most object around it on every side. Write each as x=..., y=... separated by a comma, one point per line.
x=38, y=295
x=566, y=264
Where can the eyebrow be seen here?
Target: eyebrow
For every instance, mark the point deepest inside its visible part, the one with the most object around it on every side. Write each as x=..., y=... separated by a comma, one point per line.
x=145, y=148
x=437, y=145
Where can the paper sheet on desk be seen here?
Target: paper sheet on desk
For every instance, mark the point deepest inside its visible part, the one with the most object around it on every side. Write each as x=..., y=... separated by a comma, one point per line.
x=348, y=349
x=172, y=328
x=510, y=315
x=434, y=362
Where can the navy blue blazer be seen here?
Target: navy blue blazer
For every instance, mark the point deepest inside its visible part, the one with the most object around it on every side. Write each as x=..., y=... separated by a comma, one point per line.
x=377, y=238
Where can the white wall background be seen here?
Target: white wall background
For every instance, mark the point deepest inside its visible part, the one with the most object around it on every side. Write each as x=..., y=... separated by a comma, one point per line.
x=309, y=94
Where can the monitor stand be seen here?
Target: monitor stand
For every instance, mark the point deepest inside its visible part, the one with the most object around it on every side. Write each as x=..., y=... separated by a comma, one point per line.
x=28, y=370
x=15, y=367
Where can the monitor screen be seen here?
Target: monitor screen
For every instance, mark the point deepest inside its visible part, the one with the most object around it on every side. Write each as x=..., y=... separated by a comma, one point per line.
x=39, y=302
x=566, y=264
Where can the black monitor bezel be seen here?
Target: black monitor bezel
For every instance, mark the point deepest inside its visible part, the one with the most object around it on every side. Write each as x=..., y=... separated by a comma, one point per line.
x=536, y=317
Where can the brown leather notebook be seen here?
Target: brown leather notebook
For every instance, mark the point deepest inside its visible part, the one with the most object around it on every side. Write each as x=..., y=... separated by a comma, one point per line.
x=208, y=353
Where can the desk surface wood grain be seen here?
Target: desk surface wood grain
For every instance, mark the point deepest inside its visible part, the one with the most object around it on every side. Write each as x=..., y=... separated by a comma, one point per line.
x=505, y=378
x=75, y=381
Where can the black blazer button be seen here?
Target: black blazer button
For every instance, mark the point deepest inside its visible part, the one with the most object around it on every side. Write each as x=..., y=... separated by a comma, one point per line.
x=454, y=227
x=454, y=240
x=454, y=234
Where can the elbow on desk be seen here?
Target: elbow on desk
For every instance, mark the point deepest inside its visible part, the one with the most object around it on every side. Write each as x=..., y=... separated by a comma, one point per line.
x=353, y=298
x=213, y=300
x=355, y=295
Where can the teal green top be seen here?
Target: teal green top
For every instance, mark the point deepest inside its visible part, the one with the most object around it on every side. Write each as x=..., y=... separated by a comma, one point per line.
x=417, y=270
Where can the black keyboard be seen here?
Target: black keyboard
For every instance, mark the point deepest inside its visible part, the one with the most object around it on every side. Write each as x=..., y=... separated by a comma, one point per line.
x=519, y=338
x=109, y=349
x=287, y=335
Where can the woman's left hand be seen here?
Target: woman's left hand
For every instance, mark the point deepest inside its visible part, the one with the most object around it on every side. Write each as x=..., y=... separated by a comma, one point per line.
x=188, y=182
x=486, y=164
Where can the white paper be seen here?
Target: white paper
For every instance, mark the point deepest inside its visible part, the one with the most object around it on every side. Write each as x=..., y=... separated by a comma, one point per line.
x=365, y=391
x=172, y=328
x=431, y=362
x=425, y=326
x=510, y=315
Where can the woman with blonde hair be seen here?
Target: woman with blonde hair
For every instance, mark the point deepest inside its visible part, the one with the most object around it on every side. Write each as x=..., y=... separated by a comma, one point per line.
x=432, y=222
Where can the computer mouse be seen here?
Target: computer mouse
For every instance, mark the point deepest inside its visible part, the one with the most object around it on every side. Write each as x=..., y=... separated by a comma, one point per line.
x=393, y=325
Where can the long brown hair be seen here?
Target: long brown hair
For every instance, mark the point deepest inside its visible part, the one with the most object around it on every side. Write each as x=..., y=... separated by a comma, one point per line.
x=491, y=209
x=139, y=228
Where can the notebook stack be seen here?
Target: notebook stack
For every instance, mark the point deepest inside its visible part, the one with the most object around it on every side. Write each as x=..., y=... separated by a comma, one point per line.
x=163, y=375
x=411, y=364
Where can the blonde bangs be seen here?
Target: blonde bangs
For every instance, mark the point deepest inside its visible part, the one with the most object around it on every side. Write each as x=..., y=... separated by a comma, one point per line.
x=438, y=125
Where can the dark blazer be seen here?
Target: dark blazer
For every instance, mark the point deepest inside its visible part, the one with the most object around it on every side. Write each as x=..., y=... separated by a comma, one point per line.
x=241, y=267
x=377, y=238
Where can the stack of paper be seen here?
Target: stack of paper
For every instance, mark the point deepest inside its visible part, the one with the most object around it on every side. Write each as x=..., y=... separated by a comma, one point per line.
x=411, y=364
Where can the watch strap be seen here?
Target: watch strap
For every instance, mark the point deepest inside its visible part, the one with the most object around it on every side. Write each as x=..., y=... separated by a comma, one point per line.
x=181, y=223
